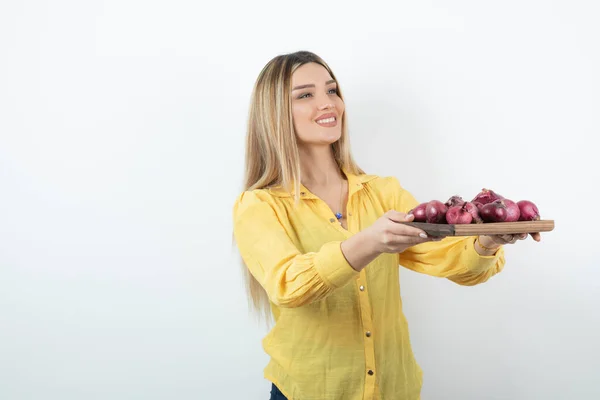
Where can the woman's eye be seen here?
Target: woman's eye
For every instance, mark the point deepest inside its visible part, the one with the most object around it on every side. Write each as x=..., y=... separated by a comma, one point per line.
x=306, y=95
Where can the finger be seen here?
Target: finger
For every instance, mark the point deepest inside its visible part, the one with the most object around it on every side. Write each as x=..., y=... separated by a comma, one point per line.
x=505, y=238
x=536, y=236
x=509, y=239
x=397, y=216
x=497, y=239
x=522, y=236
x=403, y=240
x=406, y=230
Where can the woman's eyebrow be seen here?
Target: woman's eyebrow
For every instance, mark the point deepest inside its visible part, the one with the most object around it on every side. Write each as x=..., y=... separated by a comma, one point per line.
x=311, y=85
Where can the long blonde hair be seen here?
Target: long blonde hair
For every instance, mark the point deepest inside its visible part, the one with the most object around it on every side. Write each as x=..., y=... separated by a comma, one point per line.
x=272, y=157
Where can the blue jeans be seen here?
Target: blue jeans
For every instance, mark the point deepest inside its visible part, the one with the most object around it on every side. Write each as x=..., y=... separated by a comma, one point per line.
x=276, y=393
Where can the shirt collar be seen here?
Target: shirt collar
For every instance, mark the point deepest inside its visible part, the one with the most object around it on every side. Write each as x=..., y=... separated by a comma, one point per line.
x=355, y=183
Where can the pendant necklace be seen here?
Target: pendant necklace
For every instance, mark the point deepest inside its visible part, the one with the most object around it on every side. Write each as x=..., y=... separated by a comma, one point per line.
x=339, y=215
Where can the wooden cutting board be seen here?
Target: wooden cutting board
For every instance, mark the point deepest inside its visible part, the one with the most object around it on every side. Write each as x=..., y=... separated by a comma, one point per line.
x=488, y=228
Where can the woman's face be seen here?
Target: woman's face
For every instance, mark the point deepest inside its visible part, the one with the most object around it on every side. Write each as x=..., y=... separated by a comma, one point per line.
x=316, y=108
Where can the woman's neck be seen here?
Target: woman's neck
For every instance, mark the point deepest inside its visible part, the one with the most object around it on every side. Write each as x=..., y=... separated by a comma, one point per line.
x=318, y=167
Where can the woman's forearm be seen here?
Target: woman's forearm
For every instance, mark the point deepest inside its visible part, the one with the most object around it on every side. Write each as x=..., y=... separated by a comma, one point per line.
x=360, y=250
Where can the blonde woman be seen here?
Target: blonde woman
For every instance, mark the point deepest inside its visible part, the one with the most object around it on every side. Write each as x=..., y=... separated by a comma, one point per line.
x=322, y=241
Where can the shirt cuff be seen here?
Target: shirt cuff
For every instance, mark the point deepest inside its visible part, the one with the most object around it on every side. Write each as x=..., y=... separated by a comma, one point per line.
x=478, y=262
x=332, y=266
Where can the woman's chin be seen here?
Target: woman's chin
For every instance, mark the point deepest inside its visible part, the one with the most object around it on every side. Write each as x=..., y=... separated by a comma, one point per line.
x=330, y=137
x=321, y=139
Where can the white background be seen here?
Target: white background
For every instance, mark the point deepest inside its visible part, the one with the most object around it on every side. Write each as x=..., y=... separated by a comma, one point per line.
x=122, y=129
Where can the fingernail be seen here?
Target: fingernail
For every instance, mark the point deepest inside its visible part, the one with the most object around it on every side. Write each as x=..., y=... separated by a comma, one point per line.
x=423, y=235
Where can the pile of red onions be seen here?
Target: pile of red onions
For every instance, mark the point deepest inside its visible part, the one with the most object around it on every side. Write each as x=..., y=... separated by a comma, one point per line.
x=487, y=206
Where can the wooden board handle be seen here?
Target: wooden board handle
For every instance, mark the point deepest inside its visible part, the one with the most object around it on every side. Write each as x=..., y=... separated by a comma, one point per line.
x=434, y=229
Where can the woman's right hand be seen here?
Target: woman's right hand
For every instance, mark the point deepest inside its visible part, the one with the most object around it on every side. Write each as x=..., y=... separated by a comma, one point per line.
x=387, y=235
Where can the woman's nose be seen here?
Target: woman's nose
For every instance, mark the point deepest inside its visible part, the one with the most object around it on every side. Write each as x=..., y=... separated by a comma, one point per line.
x=326, y=106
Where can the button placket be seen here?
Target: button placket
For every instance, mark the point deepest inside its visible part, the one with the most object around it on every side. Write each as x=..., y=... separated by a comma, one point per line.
x=367, y=326
x=346, y=231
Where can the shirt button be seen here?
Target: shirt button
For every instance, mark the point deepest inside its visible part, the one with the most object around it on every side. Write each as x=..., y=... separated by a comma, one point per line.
x=370, y=372
x=302, y=193
x=350, y=214
x=368, y=333
x=362, y=288
x=332, y=220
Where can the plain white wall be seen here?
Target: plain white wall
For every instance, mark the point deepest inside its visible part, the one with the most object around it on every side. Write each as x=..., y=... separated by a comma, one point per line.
x=121, y=152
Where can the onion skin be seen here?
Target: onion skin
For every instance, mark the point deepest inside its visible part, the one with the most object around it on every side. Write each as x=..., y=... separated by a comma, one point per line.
x=419, y=212
x=486, y=196
x=513, y=211
x=474, y=211
x=529, y=211
x=459, y=215
x=436, y=212
x=494, y=211
x=454, y=201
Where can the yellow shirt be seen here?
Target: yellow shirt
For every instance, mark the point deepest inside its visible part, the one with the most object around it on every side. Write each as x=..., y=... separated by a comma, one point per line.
x=340, y=334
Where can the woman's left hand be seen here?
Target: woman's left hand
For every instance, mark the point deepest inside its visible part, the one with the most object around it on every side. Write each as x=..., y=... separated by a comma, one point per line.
x=487, y=245
x=511, y=239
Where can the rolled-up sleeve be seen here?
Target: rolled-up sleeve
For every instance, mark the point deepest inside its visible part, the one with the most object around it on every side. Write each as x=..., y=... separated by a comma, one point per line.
x=290, y=278
x=454, y=258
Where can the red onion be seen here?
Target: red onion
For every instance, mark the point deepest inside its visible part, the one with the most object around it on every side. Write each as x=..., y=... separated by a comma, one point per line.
x=487, y=206
x=494, y=211
x=474, y=211
x=419, y=212
x=459, y=214
x=436, y=212
x=454, y=201
x=486, y=196
x=512, y=211
x=529, y=211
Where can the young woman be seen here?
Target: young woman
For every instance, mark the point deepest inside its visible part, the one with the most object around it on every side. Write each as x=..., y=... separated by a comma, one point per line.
x=322, y=241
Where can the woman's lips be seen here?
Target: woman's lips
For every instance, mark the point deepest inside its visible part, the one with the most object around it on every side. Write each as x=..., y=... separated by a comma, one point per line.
x=328, y=120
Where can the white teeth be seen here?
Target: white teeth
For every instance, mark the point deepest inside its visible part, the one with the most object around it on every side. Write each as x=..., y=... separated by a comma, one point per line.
x=326, y=121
